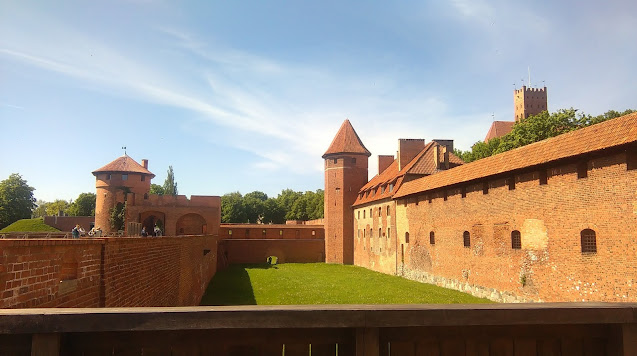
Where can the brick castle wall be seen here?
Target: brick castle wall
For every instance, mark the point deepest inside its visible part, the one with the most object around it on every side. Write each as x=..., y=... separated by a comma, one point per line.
x=111, y=272
x=375, y=242
x=258, y=250
x=550, y=265
x=271, y=232
x=67, y=223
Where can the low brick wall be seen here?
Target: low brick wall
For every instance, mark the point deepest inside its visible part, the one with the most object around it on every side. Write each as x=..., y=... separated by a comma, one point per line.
x=257, y=251
x=67, y=223
x=111, y=272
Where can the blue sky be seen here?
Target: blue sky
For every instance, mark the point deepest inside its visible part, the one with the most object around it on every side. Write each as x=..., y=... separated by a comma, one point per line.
x=247, y=95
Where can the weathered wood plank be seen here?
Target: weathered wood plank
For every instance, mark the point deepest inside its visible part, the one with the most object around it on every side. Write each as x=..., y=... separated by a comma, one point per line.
x=297, y=350
x=478, y=347
x=45, y=345
x=629, y=339
x=525, y=346
x=403, y=348
x=367, y=342
x=428, y=347
x=452, y=347
x=500, y=347
x=548, y=347
x=323, y=349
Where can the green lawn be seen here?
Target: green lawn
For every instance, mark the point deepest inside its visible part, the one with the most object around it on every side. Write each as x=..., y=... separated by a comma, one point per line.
x=320, y=283
x=29, y=225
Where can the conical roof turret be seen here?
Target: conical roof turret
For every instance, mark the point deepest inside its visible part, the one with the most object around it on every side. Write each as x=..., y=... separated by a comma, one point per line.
x=346, y=141
x=124, y=164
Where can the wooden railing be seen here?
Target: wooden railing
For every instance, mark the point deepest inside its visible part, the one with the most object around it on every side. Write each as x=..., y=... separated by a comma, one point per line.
x=494, y=329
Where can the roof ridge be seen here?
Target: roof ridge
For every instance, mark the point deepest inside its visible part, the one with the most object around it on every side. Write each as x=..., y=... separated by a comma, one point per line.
x=346, y=141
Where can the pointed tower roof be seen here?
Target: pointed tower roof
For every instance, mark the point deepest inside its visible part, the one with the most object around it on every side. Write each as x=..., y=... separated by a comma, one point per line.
x=123, y=164
x=346, y=141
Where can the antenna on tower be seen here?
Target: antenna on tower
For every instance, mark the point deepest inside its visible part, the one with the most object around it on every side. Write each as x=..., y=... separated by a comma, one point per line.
x=124, y=148
x=493, y=116
x=529, y=76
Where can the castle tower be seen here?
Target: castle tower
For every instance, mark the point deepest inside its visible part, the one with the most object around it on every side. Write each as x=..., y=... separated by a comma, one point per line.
x=528, y=102
x=119, y=181
x=345, y=174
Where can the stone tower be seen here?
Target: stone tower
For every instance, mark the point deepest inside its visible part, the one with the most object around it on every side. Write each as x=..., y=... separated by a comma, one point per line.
x=345, y=174
x=119, y=181
x=529, y=101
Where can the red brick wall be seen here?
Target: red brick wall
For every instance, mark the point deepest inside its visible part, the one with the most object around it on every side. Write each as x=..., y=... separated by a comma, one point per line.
x=111, y=272
x=371, y=250
x=67, y=223
x=50, y=273
x=550, y=265
x=257, y=251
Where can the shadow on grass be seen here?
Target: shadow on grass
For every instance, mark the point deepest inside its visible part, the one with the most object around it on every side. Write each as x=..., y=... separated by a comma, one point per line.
x=232, y=286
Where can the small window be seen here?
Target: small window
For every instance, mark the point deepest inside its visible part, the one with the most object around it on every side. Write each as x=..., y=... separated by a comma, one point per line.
x=516, y=240
x=511, y=183
x=230, y=232
x=380, y=233
x=391, y=187
x=359, y=214
x=388, y=214
x=364, y=232
x=444, y=195
x=485, y=188
x=145, y=196
x=371, y=233
x=263, y=232
x=364, y=212
x=359, y=233
x=143, y=178
x=463, y=192
x=370, y=212
x=406, y=237
x=543, y=177
x=388, y=233
x=382, y=189
x=429, y=198
x=280, y=232
x=124, y=176
x=582, y=170
x=335, y=160
x=380, y=212
x=108, y=177
x=417, y=200
x=589, y=241
x=432, y=238
x=313, y=232
x=466, y=238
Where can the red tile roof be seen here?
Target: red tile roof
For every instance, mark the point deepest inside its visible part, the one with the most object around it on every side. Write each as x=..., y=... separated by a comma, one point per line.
x=611, y=133
x=124, y=164
x=346, y=141
x=422, y=164
x=499, y=129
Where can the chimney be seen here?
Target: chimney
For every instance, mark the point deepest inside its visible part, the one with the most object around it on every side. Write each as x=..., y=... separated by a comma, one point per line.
x=437, y=156
x=445, y=154
x=145, y=163
x=447, y=143
x=384, y=161
x=408, y=149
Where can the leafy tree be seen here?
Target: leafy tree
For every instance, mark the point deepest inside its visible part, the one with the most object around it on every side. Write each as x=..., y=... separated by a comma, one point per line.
x=232, y=208
x=16, y=200
x=156, y=189
x=536, y=128
x=84, y=205
x=273, y=212
x=57, y=206
x=40, y=209
x=254, y=206
x=170, y=186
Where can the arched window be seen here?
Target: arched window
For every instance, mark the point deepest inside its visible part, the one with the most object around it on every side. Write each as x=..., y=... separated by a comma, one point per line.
x=516, y=240
x=380, y=232
x=589, y=241
x=263, y=232
x=406, y=237
x=388, y=233
x=466, y=238
x=432, y=238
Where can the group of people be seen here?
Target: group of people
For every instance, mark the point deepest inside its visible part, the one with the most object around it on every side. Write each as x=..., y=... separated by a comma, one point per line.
x=156, y=232
x=78, y=231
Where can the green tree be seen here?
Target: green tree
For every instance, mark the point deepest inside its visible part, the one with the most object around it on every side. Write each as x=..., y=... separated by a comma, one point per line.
x=273, y=213
x=232, y=208
x=16, y=200
x=118, y=216
x=156, y=189
x=84, y=205
x=40, y=209
x=170, y=186
x=254, y=206
x=57, y=206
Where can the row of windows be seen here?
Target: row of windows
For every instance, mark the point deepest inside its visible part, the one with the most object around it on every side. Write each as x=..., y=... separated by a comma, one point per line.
x=588, y=240
x=371, y=233
x=380, y=212
x=297, y=232
x=124, y=177
x=382, y=189
x=581, y=167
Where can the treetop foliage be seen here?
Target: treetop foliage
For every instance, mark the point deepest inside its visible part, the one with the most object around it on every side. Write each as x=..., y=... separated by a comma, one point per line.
x=16, y=200
x=257, y=207
x=170, y=186
x=536, y=128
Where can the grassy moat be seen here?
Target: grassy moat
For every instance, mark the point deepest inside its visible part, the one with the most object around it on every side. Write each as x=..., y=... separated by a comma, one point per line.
x=321, y=283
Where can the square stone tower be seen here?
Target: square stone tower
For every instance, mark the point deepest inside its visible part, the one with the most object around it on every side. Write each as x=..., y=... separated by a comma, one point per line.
x=528, y=102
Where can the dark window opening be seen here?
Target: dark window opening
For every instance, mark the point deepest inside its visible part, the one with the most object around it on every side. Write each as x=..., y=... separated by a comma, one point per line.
x=247, y=232
x=589, y=241
x=145, y=196
x=124, y=176
x=543, y=177
x=485, y=188
x=511, y=183
x=631, y=159
x=582, y=170
x=466, y=238
x=444, y=195
x=143, y=178
x=463, y=192
x=406, y=237
x=432, y=238
x=263, y=232
x=516, y=240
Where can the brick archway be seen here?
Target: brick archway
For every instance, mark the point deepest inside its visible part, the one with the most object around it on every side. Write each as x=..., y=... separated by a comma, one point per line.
x=151, y=218
x=191, y=224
